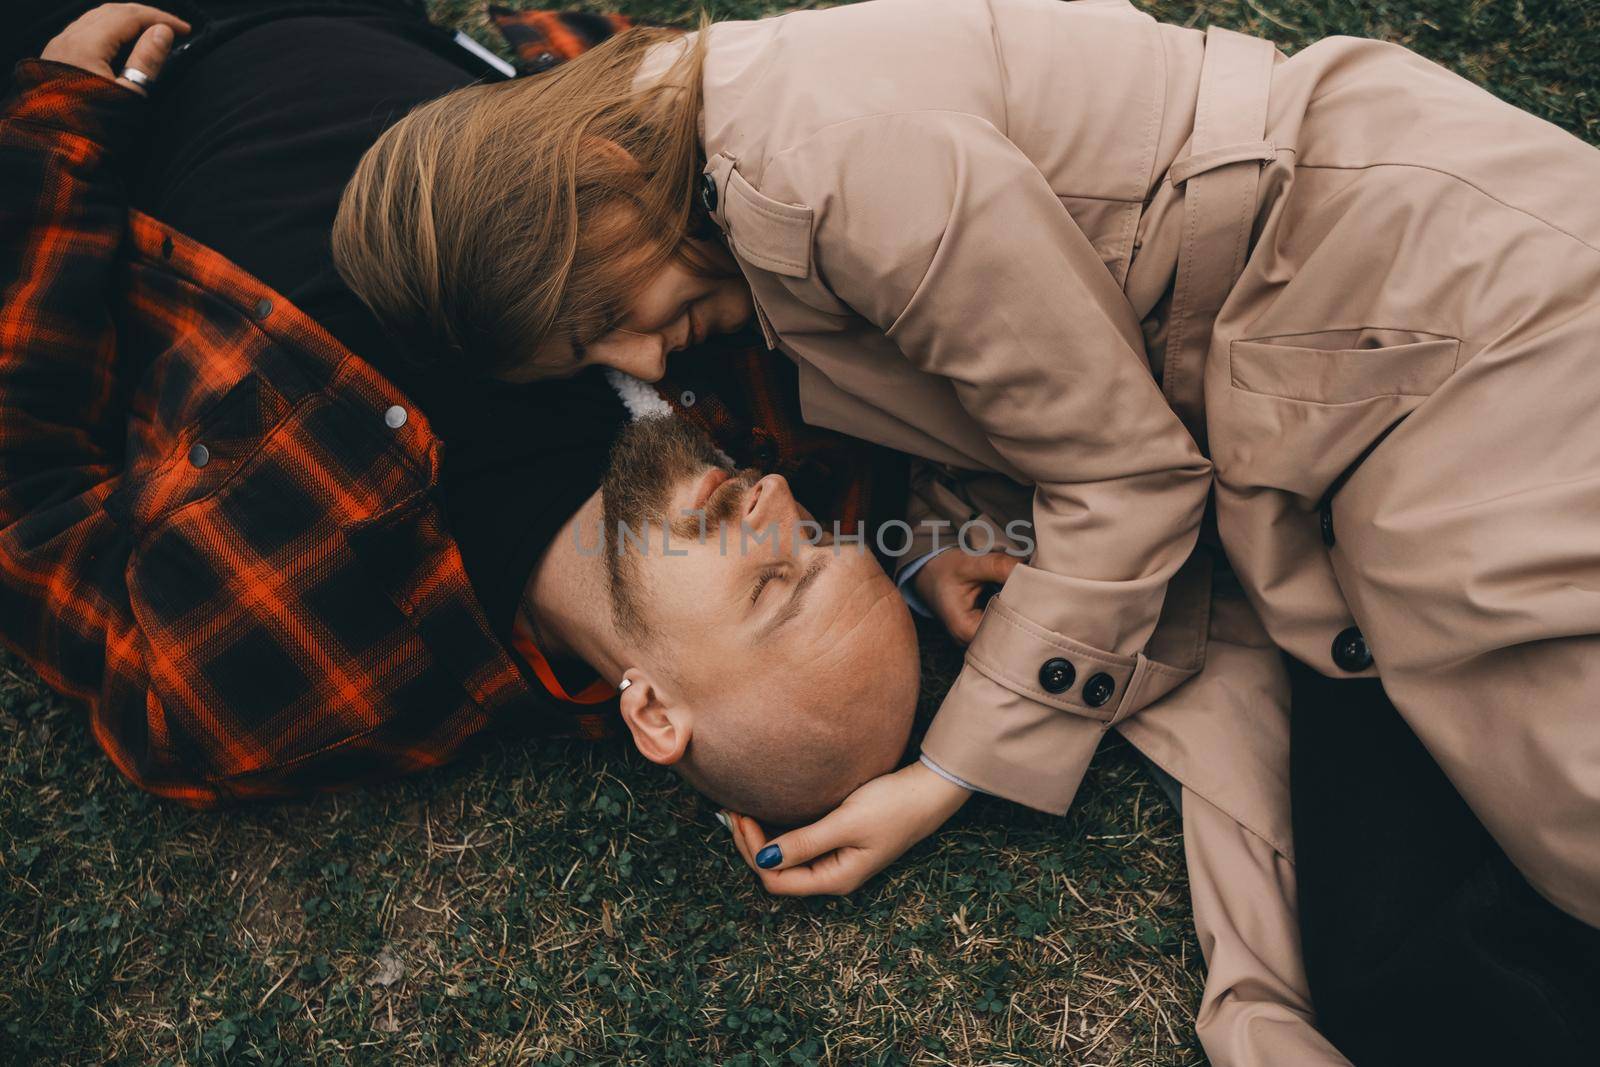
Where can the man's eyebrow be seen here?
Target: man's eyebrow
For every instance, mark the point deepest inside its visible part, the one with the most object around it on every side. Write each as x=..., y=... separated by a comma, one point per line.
x=796, y=601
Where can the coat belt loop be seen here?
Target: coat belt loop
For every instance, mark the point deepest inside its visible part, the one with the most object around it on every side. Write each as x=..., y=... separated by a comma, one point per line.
x=1191, y=165
x=1220, y=178
x=716, y=172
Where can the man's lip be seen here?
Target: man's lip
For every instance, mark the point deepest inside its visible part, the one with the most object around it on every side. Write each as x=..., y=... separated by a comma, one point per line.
x=697, y=334
x=708, y=485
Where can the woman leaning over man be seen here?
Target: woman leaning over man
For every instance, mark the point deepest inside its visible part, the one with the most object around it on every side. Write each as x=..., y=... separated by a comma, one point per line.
x=1347, y=297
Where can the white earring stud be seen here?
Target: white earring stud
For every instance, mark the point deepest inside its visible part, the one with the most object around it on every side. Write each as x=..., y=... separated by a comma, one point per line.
x=624, y=684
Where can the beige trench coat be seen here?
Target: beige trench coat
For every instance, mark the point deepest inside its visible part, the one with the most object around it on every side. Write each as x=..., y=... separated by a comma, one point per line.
x=964, y=219
x=1225, y=736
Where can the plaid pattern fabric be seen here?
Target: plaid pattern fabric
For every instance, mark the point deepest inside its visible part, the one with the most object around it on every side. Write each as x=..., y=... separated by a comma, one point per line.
x=217, y=527
x=542, y=39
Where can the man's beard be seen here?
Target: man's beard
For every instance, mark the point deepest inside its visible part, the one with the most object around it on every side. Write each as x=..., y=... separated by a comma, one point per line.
x=651, y=458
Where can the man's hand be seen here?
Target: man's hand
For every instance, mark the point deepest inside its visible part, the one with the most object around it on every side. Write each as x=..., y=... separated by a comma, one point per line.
x=859, y=838
x=96, y=40
x=953, y=585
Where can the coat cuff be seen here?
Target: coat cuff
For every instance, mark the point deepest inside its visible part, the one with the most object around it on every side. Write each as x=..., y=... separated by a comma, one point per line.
x=1029, y=708
x=63, y=97
x=997, y=742
x=1062, y=674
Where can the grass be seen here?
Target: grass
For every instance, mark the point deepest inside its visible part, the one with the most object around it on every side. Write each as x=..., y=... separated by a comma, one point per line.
x=563, y=905
x=569, y=904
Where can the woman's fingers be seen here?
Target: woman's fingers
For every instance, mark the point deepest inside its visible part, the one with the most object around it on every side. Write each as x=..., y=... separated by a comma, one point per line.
x=963, y=625
x=997, y=566
x=804, y=844
x=741, y=839
x=816, y=859
x=961, y=612
x=841, y=871
x=812, y=860
x=149, y=55
x=965, y=599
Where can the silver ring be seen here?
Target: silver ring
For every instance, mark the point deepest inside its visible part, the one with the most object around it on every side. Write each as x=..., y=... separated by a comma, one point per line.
x=136, y=76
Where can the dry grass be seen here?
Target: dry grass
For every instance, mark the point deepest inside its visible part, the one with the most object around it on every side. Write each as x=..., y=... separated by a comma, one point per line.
x=566, y=905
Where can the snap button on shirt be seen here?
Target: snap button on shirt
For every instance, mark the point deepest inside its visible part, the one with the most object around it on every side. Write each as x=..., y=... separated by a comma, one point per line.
x=1057, y=675
x=263, y=308
x=395, y=417
x=1350, y=651
x=708, y=193
x=1099, y=689
x=199, y=456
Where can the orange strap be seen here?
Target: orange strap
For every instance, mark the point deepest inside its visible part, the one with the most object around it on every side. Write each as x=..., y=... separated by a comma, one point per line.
x=595, y=692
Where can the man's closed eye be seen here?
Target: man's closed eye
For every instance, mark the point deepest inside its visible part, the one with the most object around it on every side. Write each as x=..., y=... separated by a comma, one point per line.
x=795, y=602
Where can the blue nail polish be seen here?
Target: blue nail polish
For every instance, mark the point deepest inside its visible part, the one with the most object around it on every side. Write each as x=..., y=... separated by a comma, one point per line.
x=769, y=857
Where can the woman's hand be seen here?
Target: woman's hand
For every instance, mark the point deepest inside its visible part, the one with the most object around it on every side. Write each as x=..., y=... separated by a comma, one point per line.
x=96, y=40
x=855, y=841
x=956, y=587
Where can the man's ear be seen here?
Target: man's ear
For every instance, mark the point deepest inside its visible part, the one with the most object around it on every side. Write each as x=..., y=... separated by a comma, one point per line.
x=660, y=726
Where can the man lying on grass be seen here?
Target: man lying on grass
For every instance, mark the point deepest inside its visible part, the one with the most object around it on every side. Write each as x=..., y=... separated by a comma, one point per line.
x=773, y=667
x=272, y=548
x=744, y=611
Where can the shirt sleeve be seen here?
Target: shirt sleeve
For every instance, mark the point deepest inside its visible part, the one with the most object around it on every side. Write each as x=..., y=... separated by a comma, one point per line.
x=938, y=230
x=64, y=601
x=907, y=591
x=62, y=216
x=946, y=775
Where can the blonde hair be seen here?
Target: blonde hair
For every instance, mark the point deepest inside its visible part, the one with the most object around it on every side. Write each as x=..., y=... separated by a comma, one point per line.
x=500, y=215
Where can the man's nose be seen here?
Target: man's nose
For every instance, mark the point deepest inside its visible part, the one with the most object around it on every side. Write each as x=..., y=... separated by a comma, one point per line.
x=770, y=500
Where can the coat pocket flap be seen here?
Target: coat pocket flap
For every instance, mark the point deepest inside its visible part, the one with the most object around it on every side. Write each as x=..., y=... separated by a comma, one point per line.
x=1319, y=375
x=768, y=233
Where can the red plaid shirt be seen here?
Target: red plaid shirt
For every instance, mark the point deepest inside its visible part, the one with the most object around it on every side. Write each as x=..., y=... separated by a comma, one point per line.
x=217, y=525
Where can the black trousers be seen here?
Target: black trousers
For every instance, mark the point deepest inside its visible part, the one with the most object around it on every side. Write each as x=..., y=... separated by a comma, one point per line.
x=1423, y=943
